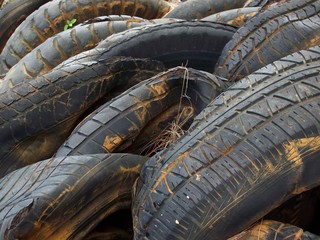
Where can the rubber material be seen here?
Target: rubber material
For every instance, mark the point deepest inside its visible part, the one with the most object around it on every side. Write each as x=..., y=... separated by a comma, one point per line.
x=301, y=210
x=50, y=19
x=64, y=45
x=273, y=230
x=110, y=234
x=195, y=9
x=197, y=44
x=120, y=121
x=112, y=18
x=251, y=149
x=147, y=142
x=65, y=198
x=235, y=17
x=12, y=14
x=37, y=116
x=269, y=36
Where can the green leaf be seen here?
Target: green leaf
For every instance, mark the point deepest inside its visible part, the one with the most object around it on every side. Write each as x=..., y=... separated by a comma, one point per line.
x=73, y=21
x=65, y=27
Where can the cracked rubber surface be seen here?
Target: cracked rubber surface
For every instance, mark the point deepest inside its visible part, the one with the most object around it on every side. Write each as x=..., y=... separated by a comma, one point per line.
x=235, y=17
x=197, y=44
x=252, y=148
x=65, y=198
x=66, y=44
x=37, y=116
x=195, y=9
x=50, y=19
x=120, y=121
x=13, y=14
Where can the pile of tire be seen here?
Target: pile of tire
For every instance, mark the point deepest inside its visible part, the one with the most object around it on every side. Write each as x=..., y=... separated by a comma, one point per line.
x=158, y=119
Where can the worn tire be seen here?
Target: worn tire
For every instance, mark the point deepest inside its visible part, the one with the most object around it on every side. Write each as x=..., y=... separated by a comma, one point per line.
x=12, y=14
x=195, y=9
x=269, y=36
x=65, y=198
x=50, y=19
x=197, y=44
x=274, y=230
x=120, y=121
x=64, y=45
x=37, y=116
x=235, y=17
x=252, y=148
x=147, y=142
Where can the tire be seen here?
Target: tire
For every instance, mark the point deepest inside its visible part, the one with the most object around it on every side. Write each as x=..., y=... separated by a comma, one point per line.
x=301, y=210
x=271, y=230
x=197, y=44
x=269, y=36
x=118, y=122
x=194, y=9
x=12, y=14
x=36, y=117
x=251, y=149
x=110, y=234
x=112, y=18
x=235, y=17
x=65, y=198
x=50, y=19
x=148, y=141
x=64, y=45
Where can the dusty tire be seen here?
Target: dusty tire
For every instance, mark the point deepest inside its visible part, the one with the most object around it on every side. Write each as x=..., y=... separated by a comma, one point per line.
x=37, y=116
x=274, y=230
x=235, y=17
x=64, y=198
x=118, y=122
x=64, y=45
x=252, y=148
x=13, y=14
x=194, y=9
x=269, y=36
x=197, y=44
x=50, y=19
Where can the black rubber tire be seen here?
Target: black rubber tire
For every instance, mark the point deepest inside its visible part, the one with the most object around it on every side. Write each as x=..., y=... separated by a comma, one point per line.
x=251, y=149
x=274, y=230
x=50, y=19
x=120, y=121
x=269, y=36
x=195, y=9
x=148, y=141
x=109, y=234
x=301, y=210
x=235, y=17
x=65, y=198
x=64, y=45
x=197, y=44
x=112, y=18
x=37, y=116
x=12, y=14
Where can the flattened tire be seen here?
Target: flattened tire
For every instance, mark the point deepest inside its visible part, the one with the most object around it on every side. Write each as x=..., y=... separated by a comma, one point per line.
x=252, y=148
x=65, y=198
